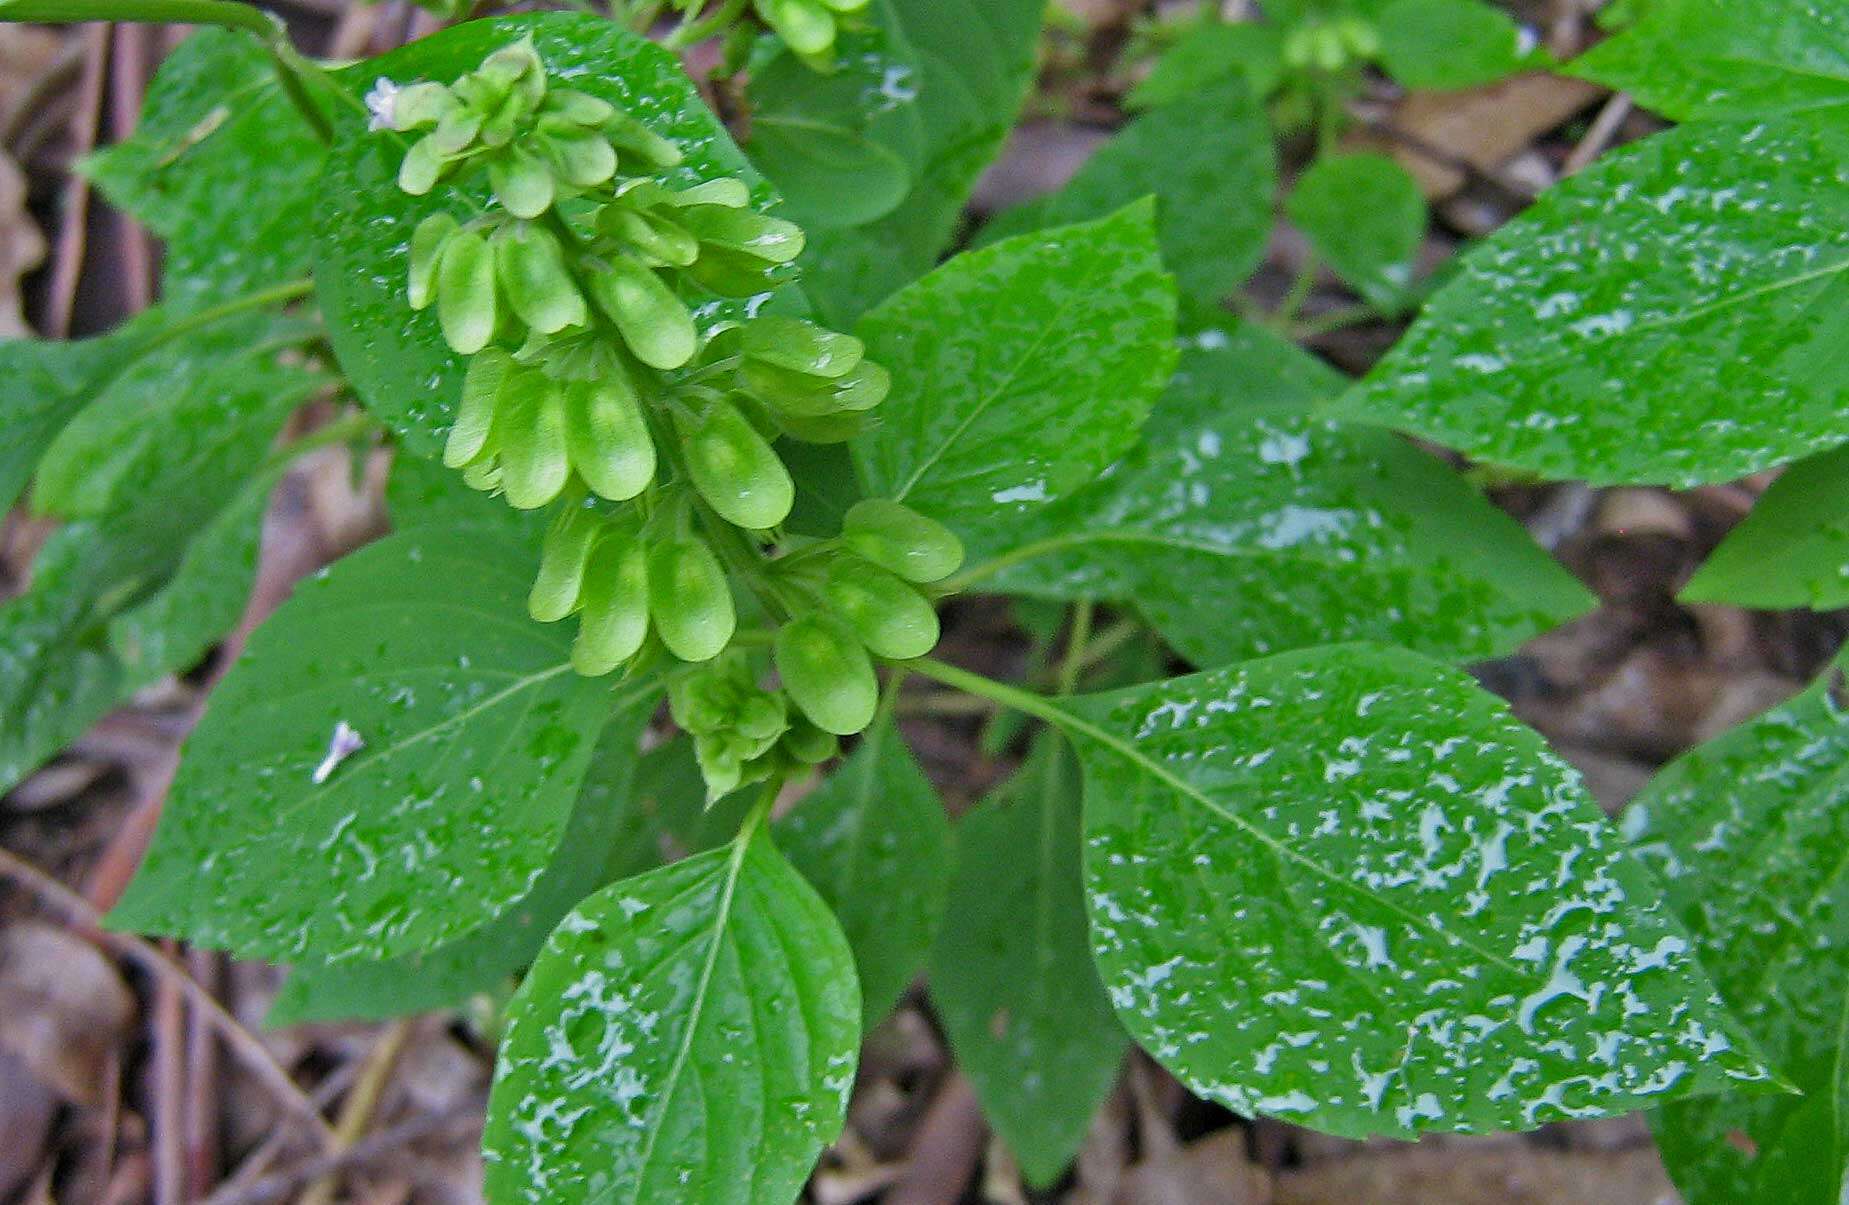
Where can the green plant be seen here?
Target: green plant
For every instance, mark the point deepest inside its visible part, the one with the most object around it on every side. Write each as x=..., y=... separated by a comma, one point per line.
x=671, y=428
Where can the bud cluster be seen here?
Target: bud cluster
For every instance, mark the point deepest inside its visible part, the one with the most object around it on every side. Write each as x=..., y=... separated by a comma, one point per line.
x=808, y=27
x=590, y=385
x=1331, y=45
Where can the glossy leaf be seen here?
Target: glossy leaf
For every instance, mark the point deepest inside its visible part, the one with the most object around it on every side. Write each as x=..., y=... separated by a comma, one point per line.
x=1746, y=833
x=222, y=167
x=1672, y=315
x=1243, y=525
x=396, y=358
x=976, y=59
x=1365, y=217
x=1345, y=888
x=390, y=764
x=424, y=493
x=842, y=147
x=1019, y=372
x=1716, y=58
x=690, y=1034
x=1210, y=164
x=1012, y=977
x=1447, y=44
x=605, y=824
x=875, y=844
x=1793, y=548
x=1207, y=56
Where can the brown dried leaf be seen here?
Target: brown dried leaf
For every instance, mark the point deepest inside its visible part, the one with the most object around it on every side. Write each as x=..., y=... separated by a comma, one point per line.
x=63, y=1008
x=1214, y=1168
x=1494, y=1174
x=22, y=248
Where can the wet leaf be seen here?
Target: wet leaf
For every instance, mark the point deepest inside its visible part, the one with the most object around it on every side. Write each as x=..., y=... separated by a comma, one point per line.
x=1442, y=935
x=1012, y=977
x=389, y=765
x=1298, y=530
x=874, y=843
x=396, y=359
x=1365, y=217
x=1019, y=372
x=1207, y=56
x=1212, y=168
x=690, y=1034
x=1746, y=833
x=976, y=59
x=1792, y=550
x=605, y=824
x=1614, y=332
x=1714, y=58
x=222, y=167
x=1448, y=44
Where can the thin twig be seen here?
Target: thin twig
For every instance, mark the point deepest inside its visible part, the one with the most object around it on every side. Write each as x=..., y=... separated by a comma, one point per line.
x=385, y=1142
x=169, y=1091
x=1599, y=134
x=357, y=1110
x=67, y=259
x=128, y=81
x=202, y=1086
x=255, y=1054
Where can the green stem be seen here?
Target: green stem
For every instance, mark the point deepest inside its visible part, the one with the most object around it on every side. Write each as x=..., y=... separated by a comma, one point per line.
x=1074, y=663
x=691, y=31
x=1038, y=706
x=749, y=826
x=342, y=429
x=227, y=13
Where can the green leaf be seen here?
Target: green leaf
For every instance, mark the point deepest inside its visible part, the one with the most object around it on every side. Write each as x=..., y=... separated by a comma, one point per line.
x=977, y=60
x=1747, y=833
x=843, y=148
x=424, y=493
x=1365, y=217
x=1300, y=531
x=222, y=167
x=1716, y=58
x=1672, y=315
x=1792, y=550
x=1212, y=167
x=1445, y=44
x=875, y=844
x=1012, y=977
x=825, y=487
x=283, y=840
x=63, y=660
x=604, y=831
x=1019, y=372
x=1208, y=55
x=688, y=1035
x=1345, y=888
x=396, y=359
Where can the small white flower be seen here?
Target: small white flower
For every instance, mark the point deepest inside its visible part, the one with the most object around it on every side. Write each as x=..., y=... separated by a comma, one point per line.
x=381, y=103
x=345, y=743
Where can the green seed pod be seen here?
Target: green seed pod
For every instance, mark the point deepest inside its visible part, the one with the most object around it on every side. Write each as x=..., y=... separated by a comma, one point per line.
x=456, y=131
x=465, y=292
x=828, y=674
x=846, y=6
x=422, y=166
x=690, y=599
x=654, y=322
x=898, y=538
x=1300, y=48
x=737, y=471
x=581, y=158
x=483, y=475
x=770, y=240
x=427, y=243
x=530, y=428
x=805, y=26
x=802, y=347
x=862, y=388
x=829, y=429
x=563, y=556
x=532, y=272
x=656, y=238
x=727, y=191
x=418, y=105
x=892, y=619
x=521, y=182
x=608, y=438
x=631, y=135
x=1327, y=45
x=579, y=108
x=515, y=69
x=730, y=274
x=808, y=745
x=1360, y=36
x=481, y=391
x=614, y=619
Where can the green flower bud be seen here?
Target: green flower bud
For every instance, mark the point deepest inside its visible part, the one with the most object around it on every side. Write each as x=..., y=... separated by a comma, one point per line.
x=629, y=134
x=805, y=26
x=1328, y=49
x=582, y=159
x=563, y=557
x=892, y=619
x=655, y=238
x=690, y=600
x=608, y=438
x=737, y=471
x=654, y=322
x=455, y=131
x=1360, y=36
x=828, y=674
x=530, y=429
x=799, y=346
x=1300, y=47
x=483, y=475
x=481, y=391
x=465, y=292
x=521, y=182
x=846, y=6
x=427, y=243
x=861, y=388
x=422, y=167
x=747, y=232
x=515, y=70
x=532, y=272
x=729, y=192
x=898, y=538
x=579, y=108
x=730, y=274
x=613, y=621
x=415, y=106
x=828, y=429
